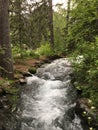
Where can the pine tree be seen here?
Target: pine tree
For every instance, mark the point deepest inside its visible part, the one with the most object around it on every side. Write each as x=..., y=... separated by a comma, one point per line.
x=51, y=24
x=6, y=66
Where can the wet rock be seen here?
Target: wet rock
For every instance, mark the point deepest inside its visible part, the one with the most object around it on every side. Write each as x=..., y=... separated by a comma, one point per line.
x=2, y=91
x=32, y=70
x=22, y=81
x=56, y=69
x=26, y=74
x=54, y=57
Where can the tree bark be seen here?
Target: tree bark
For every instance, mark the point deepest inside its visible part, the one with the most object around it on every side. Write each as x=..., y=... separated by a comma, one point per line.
x=51, y=24
x=19, y=22
x=6, y=65
x=67, y=16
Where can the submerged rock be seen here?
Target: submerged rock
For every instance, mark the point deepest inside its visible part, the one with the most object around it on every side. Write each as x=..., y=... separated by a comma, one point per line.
x=58, y=69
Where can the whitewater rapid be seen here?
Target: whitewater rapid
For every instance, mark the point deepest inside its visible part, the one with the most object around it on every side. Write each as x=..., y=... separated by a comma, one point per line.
x=48, y=99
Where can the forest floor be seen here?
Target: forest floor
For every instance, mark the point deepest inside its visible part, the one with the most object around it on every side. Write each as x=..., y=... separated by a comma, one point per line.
x=24, y=65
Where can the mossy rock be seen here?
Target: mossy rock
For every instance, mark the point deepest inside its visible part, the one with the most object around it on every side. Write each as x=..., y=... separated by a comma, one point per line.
x=32, y=70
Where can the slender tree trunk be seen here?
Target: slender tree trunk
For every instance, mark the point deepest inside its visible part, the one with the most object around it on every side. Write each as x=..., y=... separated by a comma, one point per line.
x=66, y=30
x=51, y=24
x=6, y=66
x=67, y=16
x=19, y=22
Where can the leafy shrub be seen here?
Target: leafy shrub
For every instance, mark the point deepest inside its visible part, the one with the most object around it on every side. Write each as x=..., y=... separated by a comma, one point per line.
x=32, y=70
x=30, y=53
x=23, y=53
x=45, y=50
x=86, y=72
x=16, y=51
x=12, y=91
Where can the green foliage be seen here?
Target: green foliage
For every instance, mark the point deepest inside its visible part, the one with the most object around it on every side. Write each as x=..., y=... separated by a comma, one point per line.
x=12, y=92
x=59, y=24
x=83, y=23
x=19, y=52
x=16, y=51
x=28, y=26
x=86, y=72
x=29, y=53
x=82, y=40
x=59, y=41
x=32, y=70
x=45, y=49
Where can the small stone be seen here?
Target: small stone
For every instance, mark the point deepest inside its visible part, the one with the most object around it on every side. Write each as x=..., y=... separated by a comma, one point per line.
x=22, y=81
x=27, y=74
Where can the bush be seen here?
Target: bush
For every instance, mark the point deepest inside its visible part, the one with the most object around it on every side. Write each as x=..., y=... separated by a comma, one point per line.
x=45, y=50
x=32, y=70
x=12, y=92
x=23, y=53
x=86, y=72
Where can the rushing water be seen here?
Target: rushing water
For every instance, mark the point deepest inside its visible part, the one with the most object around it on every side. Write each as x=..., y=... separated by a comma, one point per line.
x=48, y=99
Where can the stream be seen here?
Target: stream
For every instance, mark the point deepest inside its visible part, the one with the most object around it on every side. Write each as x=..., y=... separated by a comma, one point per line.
x=48, y=99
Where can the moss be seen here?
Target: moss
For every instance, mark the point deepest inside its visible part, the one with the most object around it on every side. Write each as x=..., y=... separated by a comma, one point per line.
x=11, y=91
x=32, y=70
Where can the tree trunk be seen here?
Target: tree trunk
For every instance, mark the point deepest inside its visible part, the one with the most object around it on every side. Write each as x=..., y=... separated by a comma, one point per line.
x=51, y=24
x=67, y=16
x=6, y=66
x=19, y=22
